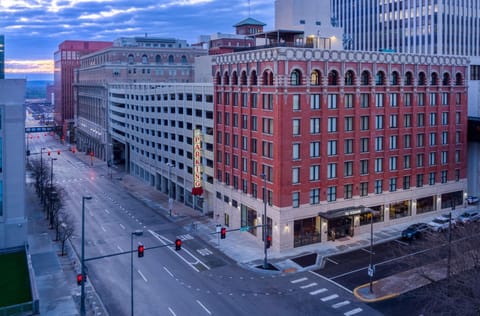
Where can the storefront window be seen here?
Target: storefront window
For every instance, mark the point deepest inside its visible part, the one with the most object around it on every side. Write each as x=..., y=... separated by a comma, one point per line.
x=400, y=209
x=306, y=231
x=249, y=218
x=377, y=215
x=426, y=204
x=451, y=199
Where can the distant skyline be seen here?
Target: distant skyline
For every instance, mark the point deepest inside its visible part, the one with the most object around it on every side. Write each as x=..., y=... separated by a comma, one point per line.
x=34, y=29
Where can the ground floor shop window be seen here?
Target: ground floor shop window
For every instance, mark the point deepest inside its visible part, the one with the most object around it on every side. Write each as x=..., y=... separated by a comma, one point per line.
x=426, y=204
x=249, y=218
x=306, y=231
x=400, y=209
x=452, y=199
x=378, y=215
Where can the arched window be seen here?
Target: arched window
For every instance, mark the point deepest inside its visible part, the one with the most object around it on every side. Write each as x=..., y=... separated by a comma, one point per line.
x=315, y=78
x=158, y=59
x=218, y=78
x=349, y=78
x=365, y=78
x=243, y=78
x=144, y=59
x=226, y=79
x=434, y=79
x=234, y=78
x=130, y=59
x=408, y=79
x=380, y=78
x=395, y=78
x=253, y=78
x=458, y=79
x=184, y=59
x=422, y=79
x=171, y=60
x=295, y=78
x=333, y=78
x=446, y=79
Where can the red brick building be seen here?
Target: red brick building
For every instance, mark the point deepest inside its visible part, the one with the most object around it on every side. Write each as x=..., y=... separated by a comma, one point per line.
x=67, y=59
x=339, y=135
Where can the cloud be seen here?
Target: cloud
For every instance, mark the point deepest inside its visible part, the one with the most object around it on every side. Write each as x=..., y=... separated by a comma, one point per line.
x=44, y=24
x=28, y=66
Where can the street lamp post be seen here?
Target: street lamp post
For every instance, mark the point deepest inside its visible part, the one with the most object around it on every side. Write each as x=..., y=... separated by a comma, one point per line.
x=370, y=271
x=41, y=171
x=170, y=199
x=82, y=295
x=136, y=233
x=265, y=223
x=51, y=188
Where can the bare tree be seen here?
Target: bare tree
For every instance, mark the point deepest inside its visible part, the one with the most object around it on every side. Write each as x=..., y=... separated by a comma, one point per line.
x=66, y=229
x=55, y=204
x=40, y=173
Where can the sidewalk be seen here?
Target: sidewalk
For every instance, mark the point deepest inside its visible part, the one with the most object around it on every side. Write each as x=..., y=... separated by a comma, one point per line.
x=55, y=275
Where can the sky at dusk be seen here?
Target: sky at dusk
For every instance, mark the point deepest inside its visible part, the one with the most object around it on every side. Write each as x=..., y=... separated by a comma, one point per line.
x=33, y=29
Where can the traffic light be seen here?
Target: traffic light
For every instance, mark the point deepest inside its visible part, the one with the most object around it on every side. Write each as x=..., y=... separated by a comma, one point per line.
x=141, y=249
x=58, y=152
x=269, y=241
x=79, y=279
x=223, y=233
x=49, y=152
x=178, y=244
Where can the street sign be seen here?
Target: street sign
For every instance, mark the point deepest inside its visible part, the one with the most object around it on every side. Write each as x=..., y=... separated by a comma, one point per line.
x=244, y=228
x=218, y=228
x=371, y=271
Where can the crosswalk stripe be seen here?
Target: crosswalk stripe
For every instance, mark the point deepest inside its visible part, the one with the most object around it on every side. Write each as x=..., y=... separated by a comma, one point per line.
x=318, y=291
x=308, y=285
x=341, y=304
x=353, y=312
x=298, y=280
x=329, y=298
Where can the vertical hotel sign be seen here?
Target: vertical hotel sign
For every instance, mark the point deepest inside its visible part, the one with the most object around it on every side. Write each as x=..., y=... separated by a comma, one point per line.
x=197, y=163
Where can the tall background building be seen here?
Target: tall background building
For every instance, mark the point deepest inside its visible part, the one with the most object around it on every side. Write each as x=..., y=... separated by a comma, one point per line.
x=2, y=57
x=67, y=59
x=13, y=220
x=427, y=27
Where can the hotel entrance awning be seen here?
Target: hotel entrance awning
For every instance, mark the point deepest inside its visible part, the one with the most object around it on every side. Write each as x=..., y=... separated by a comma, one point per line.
x=348, y=211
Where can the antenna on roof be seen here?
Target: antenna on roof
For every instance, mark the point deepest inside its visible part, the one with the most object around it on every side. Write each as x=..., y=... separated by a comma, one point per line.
x=248, y=8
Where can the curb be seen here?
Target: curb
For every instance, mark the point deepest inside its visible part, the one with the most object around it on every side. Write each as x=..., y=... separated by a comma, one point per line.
x=356, y=293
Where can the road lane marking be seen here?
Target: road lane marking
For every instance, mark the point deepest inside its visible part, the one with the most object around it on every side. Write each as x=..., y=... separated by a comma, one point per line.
x=331, y=281
x=171, y=311
x=367, y=251
x=318, y=291
x=103, y=228
x=402, y=242
x=123, y=227
x=107, y=211
x=203, y=306
x=171, y=274
x=329, y=298
x=119, y=248
x=166, y=241
x=143, y=277
x=308, y=285
x=298, y=280
x=332, y=261
x=341, y=304
x=353, y=312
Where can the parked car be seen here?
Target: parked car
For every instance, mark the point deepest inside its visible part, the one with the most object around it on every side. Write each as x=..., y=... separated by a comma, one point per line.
x=414, y=231
x=473, y=200
x=440, y=224
x=468, y=216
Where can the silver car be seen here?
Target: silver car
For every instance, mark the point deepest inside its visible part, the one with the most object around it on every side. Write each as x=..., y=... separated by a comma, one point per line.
x=440, y=224
x=468, y=216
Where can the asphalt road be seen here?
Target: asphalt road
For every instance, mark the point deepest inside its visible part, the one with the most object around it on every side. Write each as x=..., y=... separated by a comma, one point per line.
x=197, y=280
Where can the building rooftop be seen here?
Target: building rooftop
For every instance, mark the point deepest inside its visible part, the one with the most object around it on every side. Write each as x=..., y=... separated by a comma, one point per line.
x=249, y=21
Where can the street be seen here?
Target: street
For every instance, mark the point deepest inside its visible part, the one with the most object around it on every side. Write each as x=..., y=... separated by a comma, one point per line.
x=196, y=280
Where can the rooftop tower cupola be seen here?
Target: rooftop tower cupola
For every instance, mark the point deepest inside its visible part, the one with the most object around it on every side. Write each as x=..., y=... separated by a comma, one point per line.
x=249, y=26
